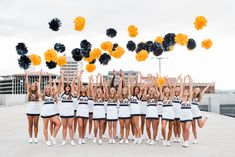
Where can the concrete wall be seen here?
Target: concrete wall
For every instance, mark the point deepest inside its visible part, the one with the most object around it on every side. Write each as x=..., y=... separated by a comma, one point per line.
x=12, y=99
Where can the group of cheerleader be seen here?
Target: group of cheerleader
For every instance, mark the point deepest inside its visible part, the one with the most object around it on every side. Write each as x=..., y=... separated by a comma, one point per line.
x=132, y=104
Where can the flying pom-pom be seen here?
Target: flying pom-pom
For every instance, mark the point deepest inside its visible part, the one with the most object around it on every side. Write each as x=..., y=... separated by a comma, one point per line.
x=131, y=46
x=85, y=48
x=133, y=31
x=21, y=49
x=191, y=44
x=79, y=23
x=61, y=61
x=141, y=55
x=50, y=55
x=157, y=49
x=181, y=39
x=55, y=24
x=76, y=54
x=169, y=39
x=35, y=59
x=159, y=39
x=90, y=67
x=104, y=59
x=207, y=43
x=95, y=53
x=161, y=80
x=119, y=51
x=111, y=32
x=107, y=46
x=114, y=46
x=141, y=46
x=51, y=64
x=59, y=47
x=24, y=62
x=93, y=61
x=200, y=22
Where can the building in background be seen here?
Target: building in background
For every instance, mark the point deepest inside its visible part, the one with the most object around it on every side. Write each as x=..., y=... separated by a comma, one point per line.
x=71, y=66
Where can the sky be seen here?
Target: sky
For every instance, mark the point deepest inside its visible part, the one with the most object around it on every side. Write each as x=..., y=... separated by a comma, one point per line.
x=27, y=21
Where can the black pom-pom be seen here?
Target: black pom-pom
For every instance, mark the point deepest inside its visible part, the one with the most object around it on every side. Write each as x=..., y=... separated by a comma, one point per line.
x=51, y=64
x=157, y=49
x=24, y=62
x=54, y=24
x=149, y=45
x=111, y=32
x=59, y=47
x=165, y=46
x=76, y=54
x=93, y=61
x=191, y=44
x=169, y=39
x=131, y=46
x=21, y=49
x=85, y=48
x=114, y=46
x=141, y=46
x=104, y=59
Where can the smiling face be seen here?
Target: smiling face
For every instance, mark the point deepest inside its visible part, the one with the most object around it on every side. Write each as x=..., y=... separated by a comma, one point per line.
x=151, y=91
x=33, y=87
x=197, y=91
x=112, y=90
x=67, y=88
x=136, y=90
x=186, y=93
x=177, y=91
x=47, y=90
x=99, y=92
x=83, y=91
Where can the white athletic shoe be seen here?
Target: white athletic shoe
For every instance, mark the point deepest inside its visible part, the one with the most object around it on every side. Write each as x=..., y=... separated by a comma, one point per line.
x=48, y=143
x=104, y=137
x=168, y=143
x=63, y=143
x=178, y=140
x=207, y=116
x=135, y=141
x=114, y=141
x=126, y=141
x=152, y=142
x=35, y=140
x=148, y=141
x=30, y=140
x=94, y=140
x=80, y=141
x=89, y=136
x=164, y=142
x=121, y=141
x=157, y=139
x=72, y=143
x=175, y=140
x=83, y=141
x=53, y=141
x=195, y=141
x=139, y=141
x=161, y=138
x=142, y=137
x=110, y=141
x=185, y=144
x=100, y=141
x=133, y=138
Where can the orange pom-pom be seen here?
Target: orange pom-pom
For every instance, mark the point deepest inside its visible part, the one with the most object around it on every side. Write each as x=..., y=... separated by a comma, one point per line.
x=119, y=51
x=95, y=53
x=133, y=31
x=90, y=67
x=181, y=39
x=61, y=61
x=89, y=59
x=200, y=22
x=141, y=55
x=207, y=43
x=35, y=59
x=161, y=81
x=107, y=46
x=79, y=23
x=159, y=39
x=50, y=55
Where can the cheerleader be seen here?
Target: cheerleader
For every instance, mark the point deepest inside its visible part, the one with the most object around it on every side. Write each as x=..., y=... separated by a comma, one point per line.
x=33, y=107
x=49, y=112
x=177, y=107
x=75, y=104
x=112, y=113
x=186, y=116
x=124, y=114
x=99, y=110
x=167, y=113
x=152, y=112
x=90, y=108
x=197, y=116
x=66, y=109
x=82, y=113
x=135, y=110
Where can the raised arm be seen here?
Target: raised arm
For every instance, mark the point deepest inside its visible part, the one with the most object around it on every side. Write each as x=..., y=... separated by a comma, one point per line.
x=111, y=83
x=119, y=91
x=73, y=86
x=181, y=86
x=190, y=88
x=27, y=82
x=79, y=83
x=206, y=88
x=61, y=82
x=106, y=92
x=39, y=82
x=130, y=84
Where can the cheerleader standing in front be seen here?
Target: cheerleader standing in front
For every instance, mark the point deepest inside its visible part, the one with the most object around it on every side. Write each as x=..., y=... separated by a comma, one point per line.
x=75, y=103
x=33, y=107
x=66, y=109
x=197, y=116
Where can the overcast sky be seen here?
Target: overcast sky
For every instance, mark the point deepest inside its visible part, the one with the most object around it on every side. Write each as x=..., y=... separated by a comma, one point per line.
x=27, y=21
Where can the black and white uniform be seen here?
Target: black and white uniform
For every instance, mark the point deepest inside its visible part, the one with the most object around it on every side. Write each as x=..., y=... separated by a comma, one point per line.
x=159, y=108
x=33, y=107
x=66, y=106
x=90, y=105
x=195, y=109
x=168, y=112
x=176, y=107
x=134, y=106
x=152, y=112
x=143, y=107
x=99, y=110
x=75, y=103
x=124, y=109
x=83, y=111
x=112, y=112
x=48, y=107
x=186, y=112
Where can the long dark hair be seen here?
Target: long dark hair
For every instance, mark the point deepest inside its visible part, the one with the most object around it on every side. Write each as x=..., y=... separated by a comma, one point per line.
x=67, y=85
x=135, y=88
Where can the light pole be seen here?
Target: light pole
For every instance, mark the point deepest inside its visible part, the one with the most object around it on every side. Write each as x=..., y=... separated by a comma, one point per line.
x=159, y=63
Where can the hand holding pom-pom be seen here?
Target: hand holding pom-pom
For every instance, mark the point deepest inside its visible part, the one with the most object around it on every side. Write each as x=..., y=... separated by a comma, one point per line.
x=55, y=24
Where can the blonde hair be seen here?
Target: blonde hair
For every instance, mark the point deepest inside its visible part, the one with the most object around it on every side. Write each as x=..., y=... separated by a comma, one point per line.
x=30, y=94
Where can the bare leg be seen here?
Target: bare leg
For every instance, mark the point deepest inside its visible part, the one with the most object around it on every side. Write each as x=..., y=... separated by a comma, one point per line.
x=148, y=122
x=30, y=126
x=127, y=126
x=164, y=122
x=154, y=126
x=96, y=125
x=170, y=130
x=114, y=129
x=70, y=127
x=142, y=124
x=57, y=123
x=64, y=129
x=194, y=129
x=35, y=124
x=121, y=121
x=45, y=127
x=101, y=128
x=90, y=122
x=110, y=129
x=84, y=128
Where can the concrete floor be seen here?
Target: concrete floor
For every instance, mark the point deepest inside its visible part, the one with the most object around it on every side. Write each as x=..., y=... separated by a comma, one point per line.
x=216, y=139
